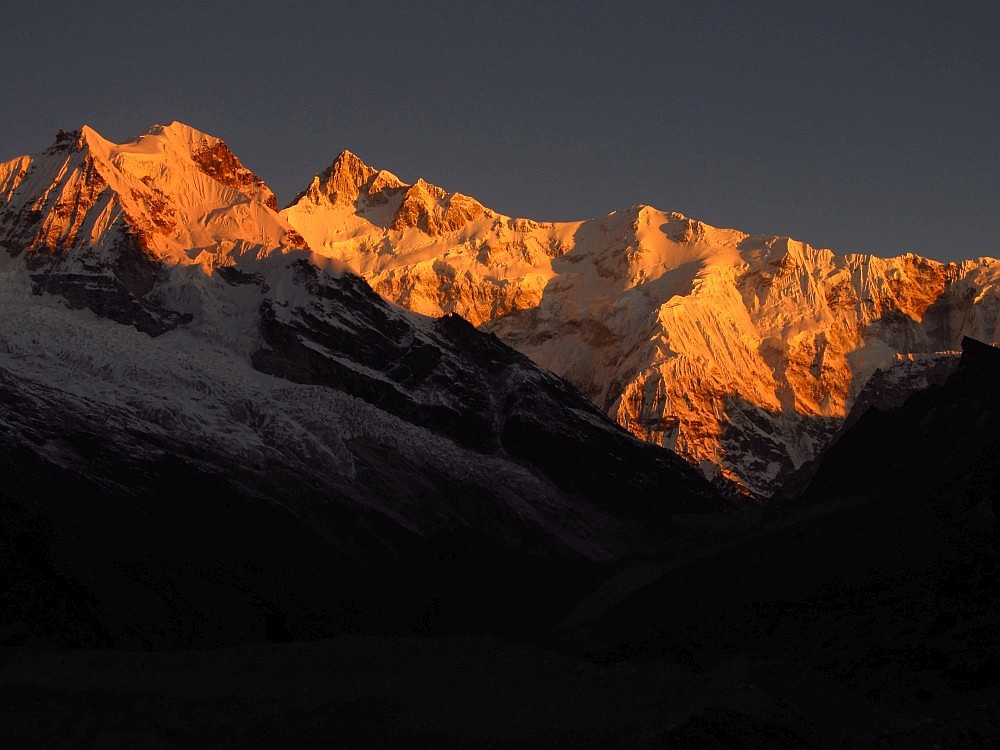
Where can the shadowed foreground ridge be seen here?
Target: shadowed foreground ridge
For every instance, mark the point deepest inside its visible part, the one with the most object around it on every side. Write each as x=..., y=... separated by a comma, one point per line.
x=396, y=463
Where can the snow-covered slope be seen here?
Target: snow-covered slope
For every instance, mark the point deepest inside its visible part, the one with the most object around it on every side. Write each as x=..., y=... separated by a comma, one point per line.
x=742, y=353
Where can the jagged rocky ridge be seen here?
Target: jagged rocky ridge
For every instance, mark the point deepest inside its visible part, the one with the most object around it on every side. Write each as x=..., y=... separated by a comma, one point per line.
x=209, y=434
x=744, y=353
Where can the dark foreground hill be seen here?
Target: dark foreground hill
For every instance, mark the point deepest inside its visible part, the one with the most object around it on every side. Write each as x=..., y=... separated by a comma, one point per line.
x=862, y=618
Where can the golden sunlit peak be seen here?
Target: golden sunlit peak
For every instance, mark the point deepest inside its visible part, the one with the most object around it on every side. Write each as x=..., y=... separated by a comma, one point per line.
x=349, y=159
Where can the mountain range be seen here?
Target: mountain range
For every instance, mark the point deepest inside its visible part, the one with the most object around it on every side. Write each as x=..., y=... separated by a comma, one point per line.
x=742, y=353
x=405, y=469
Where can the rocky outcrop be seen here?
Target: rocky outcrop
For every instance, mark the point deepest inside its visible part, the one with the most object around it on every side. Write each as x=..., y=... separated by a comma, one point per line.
x=348, y=180
x=433, y=211
x=221, y=164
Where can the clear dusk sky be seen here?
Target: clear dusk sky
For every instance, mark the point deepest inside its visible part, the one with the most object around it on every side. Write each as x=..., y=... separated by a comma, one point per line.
x=868, y=126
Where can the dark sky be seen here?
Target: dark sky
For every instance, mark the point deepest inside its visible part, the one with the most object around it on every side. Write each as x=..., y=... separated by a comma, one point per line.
x=859, y=127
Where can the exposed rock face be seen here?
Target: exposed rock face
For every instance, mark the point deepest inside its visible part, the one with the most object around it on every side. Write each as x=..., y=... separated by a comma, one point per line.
x=743, y=353
x=352, y=184
x=433, y=211
x=349, y=179
x=221, y=164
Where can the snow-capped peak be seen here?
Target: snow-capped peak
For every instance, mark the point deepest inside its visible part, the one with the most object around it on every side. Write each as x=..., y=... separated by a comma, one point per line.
x=346, y=180
x=180, y=145
x=180, y=193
